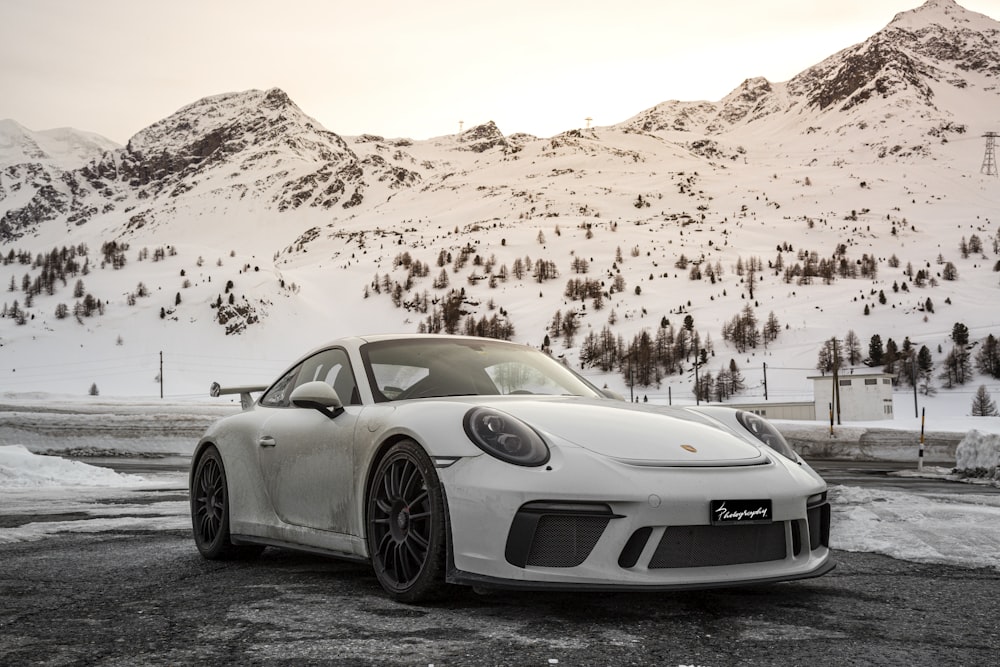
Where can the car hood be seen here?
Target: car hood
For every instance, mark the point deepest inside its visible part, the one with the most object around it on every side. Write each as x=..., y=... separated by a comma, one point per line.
x=636, y=434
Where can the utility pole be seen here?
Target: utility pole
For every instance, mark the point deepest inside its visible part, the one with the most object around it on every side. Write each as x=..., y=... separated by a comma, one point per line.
x=161, y=374
x=697, y=383
x=836, y=381
x=990, y=159
x=765, y=380
x=631, y=382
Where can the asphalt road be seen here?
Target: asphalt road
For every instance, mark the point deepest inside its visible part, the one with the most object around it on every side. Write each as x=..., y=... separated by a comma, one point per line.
x=147, y=598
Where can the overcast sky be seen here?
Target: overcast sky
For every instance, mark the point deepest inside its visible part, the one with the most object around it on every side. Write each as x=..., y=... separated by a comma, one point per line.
x=413, y=69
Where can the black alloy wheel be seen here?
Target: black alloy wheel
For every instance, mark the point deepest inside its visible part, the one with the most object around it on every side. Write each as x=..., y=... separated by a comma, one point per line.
x=406, y=525
x=210, y=510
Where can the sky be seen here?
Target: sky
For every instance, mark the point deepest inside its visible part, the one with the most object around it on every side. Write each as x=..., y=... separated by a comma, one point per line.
x=410, y=69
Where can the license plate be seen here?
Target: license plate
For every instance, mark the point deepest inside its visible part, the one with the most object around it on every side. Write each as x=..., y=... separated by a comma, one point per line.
x=730, y=512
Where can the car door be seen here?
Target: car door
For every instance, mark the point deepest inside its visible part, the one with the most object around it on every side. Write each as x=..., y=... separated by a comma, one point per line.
x=306, y=457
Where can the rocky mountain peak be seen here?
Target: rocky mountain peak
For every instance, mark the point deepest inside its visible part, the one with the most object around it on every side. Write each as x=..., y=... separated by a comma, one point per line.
x=877, y=67
x=203, y=147
x=917, y=55
x=934, y=12
x=752, y=99
x=483, y=137
x=218, y=127
x=947, y=33
x=939, y=41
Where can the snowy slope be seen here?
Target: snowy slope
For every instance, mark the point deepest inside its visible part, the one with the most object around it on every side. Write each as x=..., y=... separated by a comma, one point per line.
x=871, y=154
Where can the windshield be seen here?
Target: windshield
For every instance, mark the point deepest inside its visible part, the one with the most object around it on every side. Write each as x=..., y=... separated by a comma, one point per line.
x=428, y=367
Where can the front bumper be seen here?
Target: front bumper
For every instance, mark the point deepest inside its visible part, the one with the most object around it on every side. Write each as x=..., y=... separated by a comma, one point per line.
x=585, y=522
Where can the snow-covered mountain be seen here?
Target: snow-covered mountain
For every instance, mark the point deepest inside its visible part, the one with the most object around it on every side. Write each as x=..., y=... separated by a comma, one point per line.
x=929, y=76
x=35, y=168
x=844, y=199
x=64, y=147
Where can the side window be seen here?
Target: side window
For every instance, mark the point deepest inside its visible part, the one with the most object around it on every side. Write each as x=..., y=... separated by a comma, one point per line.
x=332, y=366
x=277, y=395
x=391, y=380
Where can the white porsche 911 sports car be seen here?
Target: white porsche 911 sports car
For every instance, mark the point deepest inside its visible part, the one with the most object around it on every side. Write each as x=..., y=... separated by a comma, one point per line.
x=455, y=460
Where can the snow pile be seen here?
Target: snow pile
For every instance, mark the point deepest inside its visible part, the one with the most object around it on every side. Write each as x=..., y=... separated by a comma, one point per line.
x=923, y=528
x=978, y=455
x=978, y=450
x=19, y=468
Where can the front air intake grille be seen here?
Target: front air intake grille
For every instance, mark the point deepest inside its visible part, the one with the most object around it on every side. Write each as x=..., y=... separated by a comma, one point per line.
x=565, y=541
x=699, y=546
x=819, y=526
x=556, y=534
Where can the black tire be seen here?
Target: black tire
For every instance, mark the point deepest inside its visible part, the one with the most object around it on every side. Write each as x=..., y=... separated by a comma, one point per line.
x=210, y=511
x=405, y=525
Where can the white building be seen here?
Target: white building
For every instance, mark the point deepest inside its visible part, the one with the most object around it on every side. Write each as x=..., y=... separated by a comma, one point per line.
x=863, y=396
x=791, y=410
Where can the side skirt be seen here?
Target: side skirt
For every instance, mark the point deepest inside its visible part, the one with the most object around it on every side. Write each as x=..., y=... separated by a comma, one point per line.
x=268, y=542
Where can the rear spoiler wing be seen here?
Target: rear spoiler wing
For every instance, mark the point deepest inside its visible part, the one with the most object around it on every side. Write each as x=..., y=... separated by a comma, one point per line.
x=246, y=400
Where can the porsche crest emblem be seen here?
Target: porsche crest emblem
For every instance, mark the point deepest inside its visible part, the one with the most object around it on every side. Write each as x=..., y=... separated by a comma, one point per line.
x=690, y=448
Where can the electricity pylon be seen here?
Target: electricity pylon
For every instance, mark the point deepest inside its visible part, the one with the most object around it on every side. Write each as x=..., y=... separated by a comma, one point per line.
x=990, y=159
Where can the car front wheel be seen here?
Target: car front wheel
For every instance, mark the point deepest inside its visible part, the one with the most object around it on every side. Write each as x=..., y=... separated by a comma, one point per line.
x=406, y=524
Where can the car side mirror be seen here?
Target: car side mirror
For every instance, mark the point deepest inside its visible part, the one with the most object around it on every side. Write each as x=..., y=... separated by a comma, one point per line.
x=318, y=395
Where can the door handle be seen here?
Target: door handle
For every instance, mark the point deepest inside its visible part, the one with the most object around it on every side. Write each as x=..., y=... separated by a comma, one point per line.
x=267, y=441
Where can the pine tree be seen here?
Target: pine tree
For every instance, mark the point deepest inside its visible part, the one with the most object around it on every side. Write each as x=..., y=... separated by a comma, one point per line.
x=875, y=351
x=982, y=404
x=960, y=334
x=891, y=357
x=925, y=371
x=830, y=355
x=853, y=348
x=988, y=357
x=771, y=328
x=736, y=381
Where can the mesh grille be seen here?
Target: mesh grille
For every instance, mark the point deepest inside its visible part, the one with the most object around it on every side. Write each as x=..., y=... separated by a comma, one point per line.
x=698, y=546
x=565, y=541
x=819, y=526
x=814, y=527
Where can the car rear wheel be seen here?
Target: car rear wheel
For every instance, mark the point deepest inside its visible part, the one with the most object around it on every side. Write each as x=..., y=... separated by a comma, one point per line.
x=210, y=511
x=406, y=525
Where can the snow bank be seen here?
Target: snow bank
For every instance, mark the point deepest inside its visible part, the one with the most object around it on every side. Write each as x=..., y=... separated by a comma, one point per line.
x=865, y=442
x=56, y=424
x=978, y=456
x=978, y=450
x=19, y=468
x=923, y=528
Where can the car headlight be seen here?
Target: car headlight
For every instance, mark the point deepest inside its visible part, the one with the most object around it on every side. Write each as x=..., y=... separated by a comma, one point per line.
x=505, y=437
x=766, y=433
